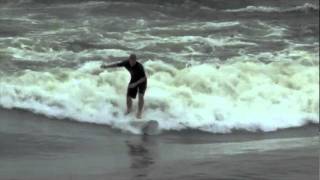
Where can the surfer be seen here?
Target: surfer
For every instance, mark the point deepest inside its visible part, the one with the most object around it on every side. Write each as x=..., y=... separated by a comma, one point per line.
x=137, y=84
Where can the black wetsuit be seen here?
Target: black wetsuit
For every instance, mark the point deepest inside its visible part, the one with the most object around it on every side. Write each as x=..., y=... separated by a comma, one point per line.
x=136, y=72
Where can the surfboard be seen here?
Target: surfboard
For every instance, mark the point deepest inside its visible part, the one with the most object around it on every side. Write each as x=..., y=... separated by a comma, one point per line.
x=147, y=127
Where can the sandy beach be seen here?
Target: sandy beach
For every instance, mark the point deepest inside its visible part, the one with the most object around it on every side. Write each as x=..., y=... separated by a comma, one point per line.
x=34, y=147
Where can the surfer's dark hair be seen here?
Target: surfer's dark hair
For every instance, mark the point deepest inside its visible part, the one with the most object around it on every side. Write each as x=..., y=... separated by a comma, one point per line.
x=133, y=57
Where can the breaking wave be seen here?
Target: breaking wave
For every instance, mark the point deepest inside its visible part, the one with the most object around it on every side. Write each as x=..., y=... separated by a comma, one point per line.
x=240, y=95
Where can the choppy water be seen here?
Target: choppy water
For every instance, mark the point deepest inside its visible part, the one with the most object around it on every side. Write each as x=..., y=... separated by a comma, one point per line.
x=212, y=65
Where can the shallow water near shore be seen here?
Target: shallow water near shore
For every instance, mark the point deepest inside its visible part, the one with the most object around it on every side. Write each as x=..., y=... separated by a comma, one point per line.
x=35, y=147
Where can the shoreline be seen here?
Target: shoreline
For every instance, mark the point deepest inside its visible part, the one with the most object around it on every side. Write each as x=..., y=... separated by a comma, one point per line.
x=303, y=131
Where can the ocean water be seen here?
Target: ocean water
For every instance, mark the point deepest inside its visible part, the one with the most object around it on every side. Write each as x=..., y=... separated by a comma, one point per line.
x=213, y=66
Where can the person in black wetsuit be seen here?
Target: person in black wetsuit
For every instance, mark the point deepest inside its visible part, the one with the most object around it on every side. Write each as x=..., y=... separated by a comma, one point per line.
x=137, y=84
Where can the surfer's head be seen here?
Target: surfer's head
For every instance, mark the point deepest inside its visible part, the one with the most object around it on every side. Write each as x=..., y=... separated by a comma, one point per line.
x=132, y=59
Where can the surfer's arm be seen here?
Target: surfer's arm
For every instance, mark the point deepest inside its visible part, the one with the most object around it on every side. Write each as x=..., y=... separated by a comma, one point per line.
x=104, y=66
x=141, y=80
x=113, y=65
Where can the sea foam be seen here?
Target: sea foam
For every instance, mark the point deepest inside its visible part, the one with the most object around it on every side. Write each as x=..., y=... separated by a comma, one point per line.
x=214, y=98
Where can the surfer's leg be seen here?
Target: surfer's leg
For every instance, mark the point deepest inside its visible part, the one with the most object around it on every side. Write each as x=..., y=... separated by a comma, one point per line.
x=129, y=104
x=142, y=89
x=131, y=94
x=140, y=105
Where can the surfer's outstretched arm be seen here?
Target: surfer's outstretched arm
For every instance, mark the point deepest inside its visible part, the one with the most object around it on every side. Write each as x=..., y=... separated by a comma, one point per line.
x=104, y=66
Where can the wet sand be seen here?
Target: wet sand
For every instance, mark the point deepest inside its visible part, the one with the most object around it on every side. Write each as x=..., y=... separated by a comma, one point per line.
x=34, y=147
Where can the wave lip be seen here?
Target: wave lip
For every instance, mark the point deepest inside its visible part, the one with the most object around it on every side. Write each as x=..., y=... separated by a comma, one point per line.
x=307, y=7
x=255, y=9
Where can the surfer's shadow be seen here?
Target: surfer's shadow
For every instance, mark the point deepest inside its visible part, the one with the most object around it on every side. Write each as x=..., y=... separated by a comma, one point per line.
x=142, y=152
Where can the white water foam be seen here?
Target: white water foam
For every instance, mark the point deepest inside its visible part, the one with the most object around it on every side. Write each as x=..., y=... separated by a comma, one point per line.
x=306, y=7
x=255, y=9
x=239, y=95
